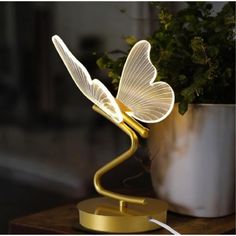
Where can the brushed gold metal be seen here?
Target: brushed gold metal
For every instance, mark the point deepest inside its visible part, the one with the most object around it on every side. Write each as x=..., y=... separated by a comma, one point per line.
x=103, y=214
x=121, y=158
x=116, y=212
x=141, y=130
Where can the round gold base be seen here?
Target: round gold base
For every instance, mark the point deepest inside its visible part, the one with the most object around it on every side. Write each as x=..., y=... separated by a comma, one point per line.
x=104, y=215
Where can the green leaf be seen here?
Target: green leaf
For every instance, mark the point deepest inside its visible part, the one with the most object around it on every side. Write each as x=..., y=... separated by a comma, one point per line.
x=189, y=93
x=183, y=107
x=101, y=63
x=213, y=51
x=131, y=40
x=228, y=73
x=199, y=51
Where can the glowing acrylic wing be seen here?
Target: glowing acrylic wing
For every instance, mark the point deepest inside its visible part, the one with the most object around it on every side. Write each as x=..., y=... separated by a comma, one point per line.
x=148, y=101
x=94, y=90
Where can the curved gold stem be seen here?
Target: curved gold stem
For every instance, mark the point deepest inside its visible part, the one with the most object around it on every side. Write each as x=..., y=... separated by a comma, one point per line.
x=124, y=156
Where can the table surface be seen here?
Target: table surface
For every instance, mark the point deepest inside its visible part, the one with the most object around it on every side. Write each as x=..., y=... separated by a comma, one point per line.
x=64, y=220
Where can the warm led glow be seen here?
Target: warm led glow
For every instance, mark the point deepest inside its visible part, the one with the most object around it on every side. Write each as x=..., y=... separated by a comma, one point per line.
x=146, y=100
x=149, y=102
x=94, y=90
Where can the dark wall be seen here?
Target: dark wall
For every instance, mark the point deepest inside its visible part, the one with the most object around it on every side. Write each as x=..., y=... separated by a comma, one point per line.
x=51, y=142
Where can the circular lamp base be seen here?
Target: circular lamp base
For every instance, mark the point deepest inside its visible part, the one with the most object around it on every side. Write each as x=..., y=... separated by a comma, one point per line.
x=104, y=215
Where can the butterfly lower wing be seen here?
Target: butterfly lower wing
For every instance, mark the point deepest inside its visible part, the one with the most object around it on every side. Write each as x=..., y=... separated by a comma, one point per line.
x=94, y=90
x=148, y=101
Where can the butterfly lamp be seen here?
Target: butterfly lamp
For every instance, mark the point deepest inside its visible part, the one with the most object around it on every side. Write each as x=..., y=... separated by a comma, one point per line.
x=139, y=98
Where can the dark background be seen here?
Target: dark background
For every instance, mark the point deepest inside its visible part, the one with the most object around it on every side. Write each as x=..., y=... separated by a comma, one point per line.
x=51, y=142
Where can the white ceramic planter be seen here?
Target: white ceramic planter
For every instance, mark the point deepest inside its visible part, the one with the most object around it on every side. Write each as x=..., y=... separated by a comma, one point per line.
x=193, y=160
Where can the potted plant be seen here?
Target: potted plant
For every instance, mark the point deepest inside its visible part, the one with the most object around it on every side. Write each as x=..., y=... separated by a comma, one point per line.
x=192, y=151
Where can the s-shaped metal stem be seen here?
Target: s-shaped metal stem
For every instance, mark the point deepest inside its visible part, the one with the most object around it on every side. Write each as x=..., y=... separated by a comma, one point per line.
x=121, y=158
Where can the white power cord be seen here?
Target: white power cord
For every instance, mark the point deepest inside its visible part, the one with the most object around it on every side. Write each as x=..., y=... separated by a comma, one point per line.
x=167, y=227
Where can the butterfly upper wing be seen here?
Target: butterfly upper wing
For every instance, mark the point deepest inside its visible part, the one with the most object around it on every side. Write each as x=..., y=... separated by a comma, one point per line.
x=94, y=90
x=148, y=101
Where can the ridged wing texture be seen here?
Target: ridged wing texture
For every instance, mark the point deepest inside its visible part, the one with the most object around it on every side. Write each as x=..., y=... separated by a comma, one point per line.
x=148, y=101
x=94, y=90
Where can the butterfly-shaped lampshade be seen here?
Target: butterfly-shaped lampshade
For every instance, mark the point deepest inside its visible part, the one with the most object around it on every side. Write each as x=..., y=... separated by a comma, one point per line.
x=143, y=99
